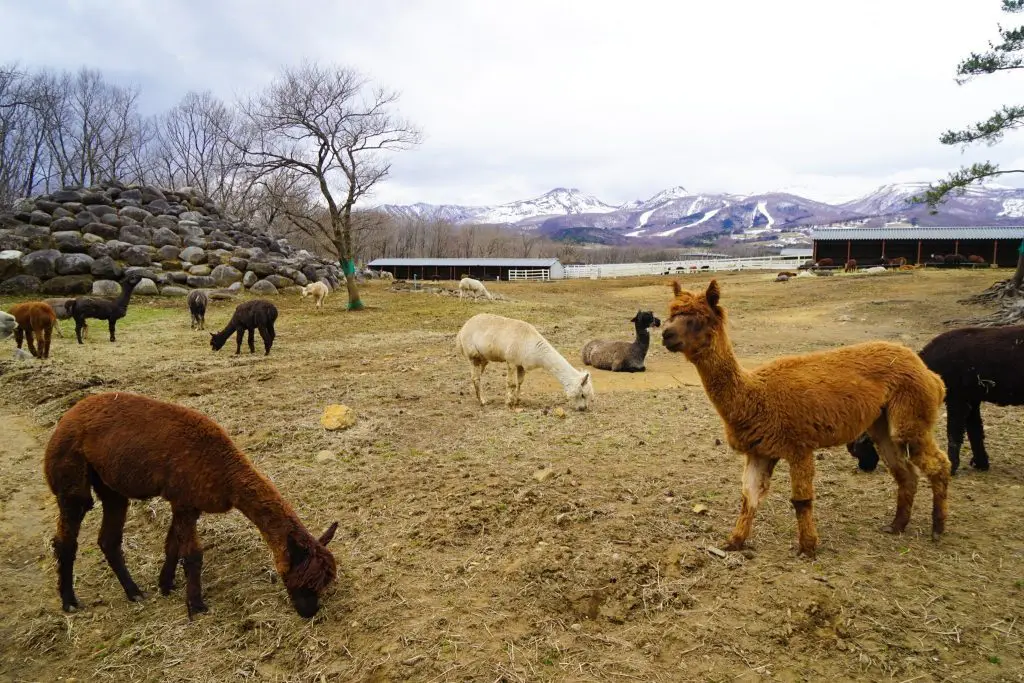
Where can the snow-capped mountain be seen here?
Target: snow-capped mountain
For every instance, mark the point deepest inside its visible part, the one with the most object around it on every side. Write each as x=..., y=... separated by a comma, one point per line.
x=676, y=216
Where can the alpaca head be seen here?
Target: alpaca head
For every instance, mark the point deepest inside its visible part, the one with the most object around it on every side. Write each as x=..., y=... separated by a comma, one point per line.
x=305, y=291
x=581, y=394
x=645, y=319
x=310, y=569
x=695, y=320
x=864, y=450
x=217, y=343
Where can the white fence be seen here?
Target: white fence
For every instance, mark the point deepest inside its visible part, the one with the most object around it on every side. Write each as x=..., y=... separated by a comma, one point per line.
x=530, y=274
x=689, y=266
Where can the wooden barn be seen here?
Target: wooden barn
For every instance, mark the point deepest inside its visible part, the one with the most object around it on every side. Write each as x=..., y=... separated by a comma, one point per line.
x=997, y=245
x=479, y=268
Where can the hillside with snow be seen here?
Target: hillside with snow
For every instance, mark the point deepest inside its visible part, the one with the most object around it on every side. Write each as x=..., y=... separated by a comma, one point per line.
x=677, y=216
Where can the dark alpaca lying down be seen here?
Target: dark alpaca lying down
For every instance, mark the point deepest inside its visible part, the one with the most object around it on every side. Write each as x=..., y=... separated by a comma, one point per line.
x=621, y=356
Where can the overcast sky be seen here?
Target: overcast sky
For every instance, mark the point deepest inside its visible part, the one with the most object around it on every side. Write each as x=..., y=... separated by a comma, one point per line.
x=618, y=99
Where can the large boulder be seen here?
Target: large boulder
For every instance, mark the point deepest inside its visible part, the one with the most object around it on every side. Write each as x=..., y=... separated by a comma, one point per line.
x=21, y=284
x=69, y=241
x=37, y=237
x=193, y=216
x=150, y=193
x=294, y=275
x=261, y=268
x=279, y=281
x=200, y=281
x=47, y=205
x=67, y=195
x=64, y=224
x=137, y=255
x=168, y=252
x=38, y=217
x=225, y=275
x=180, y=277
x=116, y=247
x=201, y=269
x=263, y=287
x=107, y=232
x=106, y=268
x=249, y=279
x=241, y=263
x=140, y=272
x=90, y=197
x=100, y=210
x=98, y=250
x=193, y=255
x=131, y=194
x=157, y=222
x=164, y=237
x=135, y=213
x=136, y=234
x=105, y=288
x=74, y=264
x=174, y=290
x=41, y=264
x=67, y=284
x=10, y=263
x=189, y=229
x=146, y=287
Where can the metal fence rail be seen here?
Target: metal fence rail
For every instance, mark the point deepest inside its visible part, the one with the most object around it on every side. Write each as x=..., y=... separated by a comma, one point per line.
x=689, y=266
x=529, y=274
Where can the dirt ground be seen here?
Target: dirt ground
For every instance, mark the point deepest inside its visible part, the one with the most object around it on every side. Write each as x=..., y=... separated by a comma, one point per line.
x=492, y=545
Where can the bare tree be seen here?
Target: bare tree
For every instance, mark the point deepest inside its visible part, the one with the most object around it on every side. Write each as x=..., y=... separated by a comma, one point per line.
x=331, y=126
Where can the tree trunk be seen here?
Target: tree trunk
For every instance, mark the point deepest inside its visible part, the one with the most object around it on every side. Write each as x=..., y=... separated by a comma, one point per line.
x=343, y=243
x=1018, y=276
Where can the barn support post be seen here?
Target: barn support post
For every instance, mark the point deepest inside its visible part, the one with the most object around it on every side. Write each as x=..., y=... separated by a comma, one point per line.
x=848, y=247
x=814, y=251
x=883, y=251
x=918, y=253
x=956, y=247
x=995, y=253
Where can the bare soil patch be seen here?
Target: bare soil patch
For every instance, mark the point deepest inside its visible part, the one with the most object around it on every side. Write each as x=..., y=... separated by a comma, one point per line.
x=486, y=544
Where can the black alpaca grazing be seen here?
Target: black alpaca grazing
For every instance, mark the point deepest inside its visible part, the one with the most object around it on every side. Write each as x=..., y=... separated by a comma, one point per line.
x=85, y=307
x=197, y=302
x=978, y=365
x=620, y=356
x=258, y=314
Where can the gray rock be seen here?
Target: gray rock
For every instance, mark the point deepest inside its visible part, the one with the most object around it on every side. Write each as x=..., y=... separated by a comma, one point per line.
x=69, y=241
x=193, y=216
x=106, y=268
x=100, y=210
x=294, y=289
x=136, y=234
x=115, y=220
x=168, y=252
x=157, y=222
x=164, y=237
x=140, y=271
x=105, y=288
x=202, y=269
x=36, y=236
x=64, y=224
x=225, y=275
x=116, y=247
x=173, y=290
x=38, y=217
x=67, y=284
x=132, y=193
x=91, y=239
x=294, y=275
x=263, y=287
x=181, y=277
x=107, y=232
x=66, y=195
x=150, y=193
x=189, y=229
x=249, y=279
x=279, y=281
x=10, y=263
x=235, y=287
x=261, y=268
x=218, y=256
x=21, y=284
x=158, y=206
x=240, y=263
x=200, y=281
x=84, y=218
x=164, y=279
x=90, y=197
x=47, y=205
x=310, y=272
x=10, y=241
x=74, y=207
x=61, y=212
x=135, y=213
x=41, y=264
x=98, y=251
x=146, y=287
x=193, y=255
x=74, y=264
x=137, y=255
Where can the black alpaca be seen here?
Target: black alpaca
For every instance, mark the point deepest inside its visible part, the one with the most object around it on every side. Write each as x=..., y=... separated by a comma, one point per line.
x=620, y=356
x=249, y=316
x=85, y=307
x=197, y=302
x=978, y=365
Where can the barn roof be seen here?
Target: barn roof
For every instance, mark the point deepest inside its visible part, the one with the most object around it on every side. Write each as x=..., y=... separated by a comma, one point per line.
x=953, y=233
x=444, y=262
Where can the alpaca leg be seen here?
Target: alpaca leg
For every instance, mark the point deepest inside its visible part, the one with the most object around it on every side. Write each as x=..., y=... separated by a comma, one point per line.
x=901, y=470
x=238, y=339
x=757, y=478
x=60, y=332
x=72, y=509
x=78, y=330
x=927, y=457
x=478, y=370
x=115, y=510
x=520, y=375
x=267, y=334
x=85, y=331
x=171, y=556
x=192, y=559
x=47, y=337
x=976, y=433
x=510, y=385
x=19, y=336
x=30, y=338
x=956, y=424
x=252, y=340
x=113, y=326
x=801, y=475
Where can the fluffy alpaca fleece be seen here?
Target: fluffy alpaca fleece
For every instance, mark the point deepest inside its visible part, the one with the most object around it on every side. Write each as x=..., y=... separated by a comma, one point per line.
x=129, y=447
x=489, y=338
x=36, y=321
x=7, y=325
x=621, y=356
x=197, y=302
x=474, y=287
x=978, y=365
x=786, y=409
x=319, y=291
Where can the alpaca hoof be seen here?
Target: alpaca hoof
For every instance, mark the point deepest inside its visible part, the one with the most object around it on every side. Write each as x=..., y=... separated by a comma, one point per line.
x=197, y=607
x=892, y=529
x=936, y=536
x=980, y=465
x=166, y=588
x=70, y=605
x=733, y=545
x=809, y=553
x=138, y=596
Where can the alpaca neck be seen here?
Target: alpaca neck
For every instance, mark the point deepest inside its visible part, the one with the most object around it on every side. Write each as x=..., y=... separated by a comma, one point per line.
x=725, y=382
x=643, y=339
x=258, y=499
x=126, y=295
x=557, y=365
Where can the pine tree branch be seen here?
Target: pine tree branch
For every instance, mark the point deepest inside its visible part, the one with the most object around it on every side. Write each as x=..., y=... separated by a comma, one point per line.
x=958, y=182
x=990, y=130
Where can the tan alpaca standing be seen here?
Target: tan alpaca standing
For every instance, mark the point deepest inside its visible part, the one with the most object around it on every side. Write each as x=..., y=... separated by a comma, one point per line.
x=785, y=409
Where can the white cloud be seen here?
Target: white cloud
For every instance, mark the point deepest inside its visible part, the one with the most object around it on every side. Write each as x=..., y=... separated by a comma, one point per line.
x=618, y=99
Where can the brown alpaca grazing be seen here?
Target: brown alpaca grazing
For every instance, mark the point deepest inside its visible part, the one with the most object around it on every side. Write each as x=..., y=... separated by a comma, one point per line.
x=851, y=266
x=36, y=320
x=785, y=409
x=126, y=446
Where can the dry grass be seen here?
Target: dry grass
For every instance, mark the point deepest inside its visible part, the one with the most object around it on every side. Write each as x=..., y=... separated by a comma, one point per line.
x=458, y=563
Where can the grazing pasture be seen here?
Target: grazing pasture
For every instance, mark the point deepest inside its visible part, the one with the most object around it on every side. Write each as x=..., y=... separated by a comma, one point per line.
x=480, y=543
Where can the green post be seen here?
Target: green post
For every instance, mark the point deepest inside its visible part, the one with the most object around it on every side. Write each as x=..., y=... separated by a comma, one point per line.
x=348, y=267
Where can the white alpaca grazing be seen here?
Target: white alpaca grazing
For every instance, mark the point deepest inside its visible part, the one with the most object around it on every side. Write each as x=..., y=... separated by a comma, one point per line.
x=492, y=338
x=319, y=291
x=386, y=275
x=875, y=270
x=468, y=284
x=7, y=325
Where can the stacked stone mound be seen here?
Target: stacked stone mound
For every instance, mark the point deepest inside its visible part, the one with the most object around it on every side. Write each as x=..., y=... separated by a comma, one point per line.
x=85, y=240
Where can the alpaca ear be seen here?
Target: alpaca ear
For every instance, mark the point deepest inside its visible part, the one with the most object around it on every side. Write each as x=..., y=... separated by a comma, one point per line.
x=296, y=553
x=586, y=378
x=633, y=319
x=329, y=534
x=676, y=288
x=712, y=294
